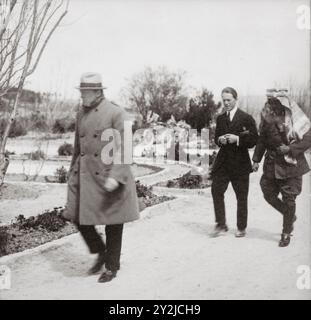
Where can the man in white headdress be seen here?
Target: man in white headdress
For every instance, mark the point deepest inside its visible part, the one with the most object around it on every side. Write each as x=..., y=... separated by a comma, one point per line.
x=285, y=135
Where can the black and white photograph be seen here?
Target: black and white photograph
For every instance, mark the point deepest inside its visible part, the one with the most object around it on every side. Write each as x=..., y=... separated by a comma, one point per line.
x=155, y=150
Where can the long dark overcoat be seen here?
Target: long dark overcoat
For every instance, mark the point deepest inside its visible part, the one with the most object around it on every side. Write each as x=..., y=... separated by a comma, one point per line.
x=88, y=203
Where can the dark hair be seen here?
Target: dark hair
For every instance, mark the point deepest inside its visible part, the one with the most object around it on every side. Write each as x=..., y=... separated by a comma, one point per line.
x=230, y=90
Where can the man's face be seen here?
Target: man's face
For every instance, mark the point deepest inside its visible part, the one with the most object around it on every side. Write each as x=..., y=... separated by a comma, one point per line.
x=228, y=100
x=276, y=105
x=89, y=96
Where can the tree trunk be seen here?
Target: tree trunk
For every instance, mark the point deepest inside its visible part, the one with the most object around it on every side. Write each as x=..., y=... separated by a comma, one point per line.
x=4, y=163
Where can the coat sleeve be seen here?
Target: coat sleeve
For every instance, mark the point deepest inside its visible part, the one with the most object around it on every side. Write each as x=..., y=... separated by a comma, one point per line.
x=249, y=139
x=119, y=171
x=76, y=146
x=261, y=144
x=300, y=147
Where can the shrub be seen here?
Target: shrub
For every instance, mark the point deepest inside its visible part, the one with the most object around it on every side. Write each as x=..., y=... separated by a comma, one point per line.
x=71, y=127
x=38, y=121
x=146, y=198
x=4, y=238
x=189, y=181
x=143, y=191
x=66, y=149
x=64, y=125
x=171, y=184
x=61, y=175
x=37, y=155
x=50, y=220
x=58, y=127
x=18, y=127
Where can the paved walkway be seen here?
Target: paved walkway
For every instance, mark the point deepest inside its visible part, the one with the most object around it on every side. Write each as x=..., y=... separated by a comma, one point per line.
x=169, y=254
x=169, y=172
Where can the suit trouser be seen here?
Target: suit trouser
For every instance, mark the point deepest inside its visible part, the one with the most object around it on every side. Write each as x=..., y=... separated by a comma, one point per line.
x=112, y=248
x=240, y=186
x=289, y=188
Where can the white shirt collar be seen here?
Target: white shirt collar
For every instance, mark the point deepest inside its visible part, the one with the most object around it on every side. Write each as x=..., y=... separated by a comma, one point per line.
x=233, y=111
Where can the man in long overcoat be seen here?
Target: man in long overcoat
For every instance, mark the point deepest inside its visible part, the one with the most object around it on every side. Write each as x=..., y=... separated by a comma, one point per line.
x=101, y=190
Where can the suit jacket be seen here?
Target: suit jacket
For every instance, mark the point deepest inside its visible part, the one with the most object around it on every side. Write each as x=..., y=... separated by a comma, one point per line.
x=235, y=158
x=274, y=165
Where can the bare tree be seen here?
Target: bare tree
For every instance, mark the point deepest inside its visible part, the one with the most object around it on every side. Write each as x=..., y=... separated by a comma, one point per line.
x=25, y=30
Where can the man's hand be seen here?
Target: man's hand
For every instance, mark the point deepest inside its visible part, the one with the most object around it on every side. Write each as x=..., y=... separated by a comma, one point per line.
x=222, y=140
x=255, y=166
x=283, y=149
x=231, y=138
x=111, y=184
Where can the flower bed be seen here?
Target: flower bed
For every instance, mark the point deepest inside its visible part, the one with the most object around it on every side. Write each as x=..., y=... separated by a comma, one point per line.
x=28, y=233
x=187, y=181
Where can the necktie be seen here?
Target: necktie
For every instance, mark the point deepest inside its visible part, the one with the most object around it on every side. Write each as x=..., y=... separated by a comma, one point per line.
x=228, y=116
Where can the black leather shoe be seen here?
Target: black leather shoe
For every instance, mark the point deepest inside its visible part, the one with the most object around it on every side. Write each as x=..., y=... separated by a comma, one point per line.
x=220, y=230
x=100, y=261
x=285, y=240
x=240, y=233
x=107, y=276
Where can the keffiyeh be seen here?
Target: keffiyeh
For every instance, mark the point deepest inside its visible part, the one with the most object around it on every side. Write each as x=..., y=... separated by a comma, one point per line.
x=296, y=124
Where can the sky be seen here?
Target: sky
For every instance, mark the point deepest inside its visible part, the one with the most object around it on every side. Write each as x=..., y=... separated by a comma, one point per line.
x=247, y=44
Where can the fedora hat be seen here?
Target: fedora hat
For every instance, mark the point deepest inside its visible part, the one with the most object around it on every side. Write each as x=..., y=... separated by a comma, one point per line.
x=91, y=81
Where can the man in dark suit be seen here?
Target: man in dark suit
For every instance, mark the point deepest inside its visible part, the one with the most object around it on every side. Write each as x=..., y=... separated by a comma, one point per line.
x=285, y=162
x=235, y=132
